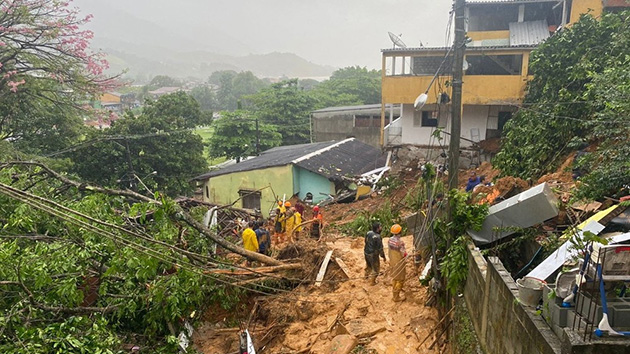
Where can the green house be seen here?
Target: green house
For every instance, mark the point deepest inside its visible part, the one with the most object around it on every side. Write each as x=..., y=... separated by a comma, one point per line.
x=307, y=169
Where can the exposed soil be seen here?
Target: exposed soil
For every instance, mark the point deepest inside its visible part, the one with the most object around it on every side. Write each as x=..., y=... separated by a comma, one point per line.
x=306, y=319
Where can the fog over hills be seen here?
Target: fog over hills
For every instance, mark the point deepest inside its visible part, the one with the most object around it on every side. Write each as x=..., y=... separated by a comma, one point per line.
x=271, y=38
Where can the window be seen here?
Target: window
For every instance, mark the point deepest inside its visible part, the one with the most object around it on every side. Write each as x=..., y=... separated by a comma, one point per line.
x=494, y=64
x=492, y=17
x=430, y=65
x=251, y=199
x=425, y=119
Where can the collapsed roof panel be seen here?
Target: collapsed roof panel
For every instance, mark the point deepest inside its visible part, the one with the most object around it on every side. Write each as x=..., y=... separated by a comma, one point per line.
x=521, y=211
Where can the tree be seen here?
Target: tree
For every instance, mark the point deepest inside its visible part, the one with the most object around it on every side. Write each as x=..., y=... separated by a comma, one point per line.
x=234, y=86
x=205, y=97
x=87, y=269
x=352, y=85
x=236, y=136
x=571, y=102
x=157, y=147
x=226, y=99
x=163, y=81
x=46, y=71
x=285, y=106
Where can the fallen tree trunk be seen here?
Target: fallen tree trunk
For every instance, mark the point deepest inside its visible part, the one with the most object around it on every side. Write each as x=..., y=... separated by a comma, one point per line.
x=253, y=271
x=255, y=256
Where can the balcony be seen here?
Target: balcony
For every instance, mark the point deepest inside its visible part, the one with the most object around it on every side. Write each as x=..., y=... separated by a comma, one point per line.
x=493, y=76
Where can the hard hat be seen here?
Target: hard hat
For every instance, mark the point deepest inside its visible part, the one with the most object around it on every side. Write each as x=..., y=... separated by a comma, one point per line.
x=287, y=204
x=316, y=208
x=396, y=229
x=280, y=202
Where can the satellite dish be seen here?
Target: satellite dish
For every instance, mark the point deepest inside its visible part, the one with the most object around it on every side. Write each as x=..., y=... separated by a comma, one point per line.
x=397, y=41
x=420, y=101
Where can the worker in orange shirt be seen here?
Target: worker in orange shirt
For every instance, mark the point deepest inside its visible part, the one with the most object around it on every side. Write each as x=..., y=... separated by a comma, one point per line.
x=318, y=223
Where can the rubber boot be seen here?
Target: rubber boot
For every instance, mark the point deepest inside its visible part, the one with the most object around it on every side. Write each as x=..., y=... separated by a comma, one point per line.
x=373, y=280
x=396, y=297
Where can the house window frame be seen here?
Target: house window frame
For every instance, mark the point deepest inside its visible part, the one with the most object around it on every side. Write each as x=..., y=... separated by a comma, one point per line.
x=426, y=119
x=250, y=198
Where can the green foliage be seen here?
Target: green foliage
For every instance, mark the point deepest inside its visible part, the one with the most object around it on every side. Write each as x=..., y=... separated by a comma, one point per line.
x=163, y=81
x=287, y=107
x=46, y=301
x=348, y=86
x=454, y=265
x=158, y=146
x=427, y=186
x=233, y=87
x=578, y=94
x=389, y=184
x=386, y=215
x=235, y=136
x=205, y=97
x=451, y=237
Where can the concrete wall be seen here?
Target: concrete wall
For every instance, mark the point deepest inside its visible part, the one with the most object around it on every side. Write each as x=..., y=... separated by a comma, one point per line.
x=482, y=117
x=503, y=325
x=224, y=189
x=419, y=135
x=328, y=126
x=307, y=181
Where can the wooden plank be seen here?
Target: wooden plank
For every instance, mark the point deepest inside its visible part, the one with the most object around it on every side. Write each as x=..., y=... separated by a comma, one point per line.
x=343, y=266
x=322, y=270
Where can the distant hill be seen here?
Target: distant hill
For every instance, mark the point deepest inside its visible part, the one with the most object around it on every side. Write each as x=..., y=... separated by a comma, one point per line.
x=148, y=48
x=201, y=64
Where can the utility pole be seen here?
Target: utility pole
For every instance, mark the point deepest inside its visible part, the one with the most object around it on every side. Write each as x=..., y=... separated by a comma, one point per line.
x=257, y=138
x=458, y=72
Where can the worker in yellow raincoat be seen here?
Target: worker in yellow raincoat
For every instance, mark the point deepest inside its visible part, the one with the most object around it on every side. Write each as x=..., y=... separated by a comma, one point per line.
x=250, y=242
x=397, y=257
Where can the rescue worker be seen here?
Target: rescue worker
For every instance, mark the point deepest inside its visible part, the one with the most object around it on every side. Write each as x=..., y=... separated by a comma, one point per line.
x=318, y=223
x=280, y=215
x=287, y=206
x=372, y=250
x=263, y=238
x=297, y=222
x=290, y=223
x=250, y=242
x=397, y=257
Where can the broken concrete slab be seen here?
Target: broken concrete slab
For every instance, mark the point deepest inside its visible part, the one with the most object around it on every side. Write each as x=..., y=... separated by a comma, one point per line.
x=343, y=344
x=524, y=210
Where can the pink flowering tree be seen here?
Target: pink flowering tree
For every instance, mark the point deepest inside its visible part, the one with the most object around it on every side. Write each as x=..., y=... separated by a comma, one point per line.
x=47, y=72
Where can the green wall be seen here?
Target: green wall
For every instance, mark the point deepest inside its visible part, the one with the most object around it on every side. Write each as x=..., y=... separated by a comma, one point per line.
x=306, y=181
x=224, y=189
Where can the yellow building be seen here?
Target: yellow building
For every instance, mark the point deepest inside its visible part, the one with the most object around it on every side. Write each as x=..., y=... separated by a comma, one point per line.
x=502, y=34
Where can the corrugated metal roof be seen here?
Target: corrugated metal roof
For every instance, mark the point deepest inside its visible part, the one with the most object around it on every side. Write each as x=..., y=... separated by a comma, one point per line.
x=482, y=2
x=528, y=33
x=468, y=48
x=347, y=157
x=349, y=108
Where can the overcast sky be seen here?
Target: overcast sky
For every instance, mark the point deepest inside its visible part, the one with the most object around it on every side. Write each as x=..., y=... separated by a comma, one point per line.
x=333, y=32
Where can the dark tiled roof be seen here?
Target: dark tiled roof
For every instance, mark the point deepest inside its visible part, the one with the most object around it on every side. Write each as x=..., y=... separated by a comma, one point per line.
x=329, y=158
x=350, y=158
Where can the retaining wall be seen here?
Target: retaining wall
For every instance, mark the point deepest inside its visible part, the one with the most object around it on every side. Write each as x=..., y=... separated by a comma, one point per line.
x=503, y=325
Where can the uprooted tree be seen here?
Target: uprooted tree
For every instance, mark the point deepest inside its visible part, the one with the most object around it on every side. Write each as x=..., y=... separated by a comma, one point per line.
x=88, y=269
